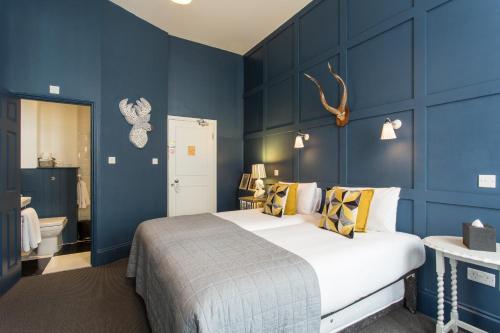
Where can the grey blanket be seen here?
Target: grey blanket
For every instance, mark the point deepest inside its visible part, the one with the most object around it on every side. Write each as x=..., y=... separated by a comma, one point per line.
x=201, y=273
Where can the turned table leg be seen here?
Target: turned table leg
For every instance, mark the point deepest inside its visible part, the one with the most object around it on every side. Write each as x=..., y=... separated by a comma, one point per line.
x=454, y=296
x=440, y=292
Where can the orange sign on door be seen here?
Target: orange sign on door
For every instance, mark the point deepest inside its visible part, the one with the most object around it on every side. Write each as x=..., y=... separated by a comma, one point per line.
x=191, y=150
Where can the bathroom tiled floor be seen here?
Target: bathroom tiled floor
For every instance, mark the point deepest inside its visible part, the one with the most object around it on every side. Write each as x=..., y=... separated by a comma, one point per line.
x=34, y=266
x=71, y=256
x=67, y=262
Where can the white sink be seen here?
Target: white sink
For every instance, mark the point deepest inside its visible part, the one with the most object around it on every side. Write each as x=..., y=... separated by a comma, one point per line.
x=25, y=201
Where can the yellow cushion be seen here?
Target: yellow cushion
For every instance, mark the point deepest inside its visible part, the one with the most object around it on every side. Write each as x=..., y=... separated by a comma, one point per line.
x=276, y=200
x=291, y=200
x=340, y=211
x=363, y=209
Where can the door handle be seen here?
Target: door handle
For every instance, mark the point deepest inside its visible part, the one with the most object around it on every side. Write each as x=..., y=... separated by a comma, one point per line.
x=175, y=185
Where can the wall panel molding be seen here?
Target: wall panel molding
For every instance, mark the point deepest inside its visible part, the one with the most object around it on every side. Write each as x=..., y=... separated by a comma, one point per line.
x=279, y=60
x=386, y=76
x=463, y=93
x=461, y=145
x=254, y=69
x=254, y=112
x=365, y=14
x=314, y=164
x=319, y=29
x=452, y=64
x=281, y=104
x=373, y=162
x=433, y=64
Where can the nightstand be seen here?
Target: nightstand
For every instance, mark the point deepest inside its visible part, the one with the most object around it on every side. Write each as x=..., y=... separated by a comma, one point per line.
x=453, y=249
x=251, y=202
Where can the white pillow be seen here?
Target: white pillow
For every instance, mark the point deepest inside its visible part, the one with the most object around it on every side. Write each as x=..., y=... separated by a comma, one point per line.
x=306, y=197
x=383, y=209
x=319, y=194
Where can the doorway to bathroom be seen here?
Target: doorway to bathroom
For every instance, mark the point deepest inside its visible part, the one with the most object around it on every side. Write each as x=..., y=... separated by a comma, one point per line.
x=56, y=194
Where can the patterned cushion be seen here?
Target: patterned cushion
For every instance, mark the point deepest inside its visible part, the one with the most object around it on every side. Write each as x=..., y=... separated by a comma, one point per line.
x=340, y=211
x=276, y=200
x=291, y=199
x=363, y=209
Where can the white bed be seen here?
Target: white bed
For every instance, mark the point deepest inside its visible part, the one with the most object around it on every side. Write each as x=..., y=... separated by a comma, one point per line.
x=348, y=270
x=254, y=220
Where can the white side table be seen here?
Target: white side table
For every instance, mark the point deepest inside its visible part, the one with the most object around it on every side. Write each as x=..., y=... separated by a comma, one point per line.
x=453, y=248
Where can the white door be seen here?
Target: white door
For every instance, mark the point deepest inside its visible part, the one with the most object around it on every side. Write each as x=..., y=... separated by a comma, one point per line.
x=192, y=166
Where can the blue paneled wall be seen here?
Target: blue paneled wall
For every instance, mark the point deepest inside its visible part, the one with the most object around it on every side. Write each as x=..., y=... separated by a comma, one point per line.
x=207, y=82
x=99, y=53
x=434, y=65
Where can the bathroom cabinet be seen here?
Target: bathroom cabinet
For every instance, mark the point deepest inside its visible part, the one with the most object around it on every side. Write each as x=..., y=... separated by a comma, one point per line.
x=53, y=194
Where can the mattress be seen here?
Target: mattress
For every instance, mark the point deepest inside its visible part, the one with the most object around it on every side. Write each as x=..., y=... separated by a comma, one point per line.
x=363, y=309
x=347, y=269
x=254, y=219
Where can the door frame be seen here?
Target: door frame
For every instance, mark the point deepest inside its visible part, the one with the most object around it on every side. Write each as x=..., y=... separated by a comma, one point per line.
x=214, y=175
x=94, y=139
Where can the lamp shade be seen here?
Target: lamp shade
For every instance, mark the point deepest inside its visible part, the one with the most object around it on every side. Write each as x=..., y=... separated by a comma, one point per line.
x=388, y=131
x=299, y=143
x=258, y=171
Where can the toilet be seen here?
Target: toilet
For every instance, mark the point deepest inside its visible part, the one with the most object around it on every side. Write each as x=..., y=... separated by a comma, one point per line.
x=51, y=230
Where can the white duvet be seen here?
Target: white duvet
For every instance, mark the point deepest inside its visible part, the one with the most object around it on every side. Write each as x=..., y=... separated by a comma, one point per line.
x=347, y=269
x=255, y=220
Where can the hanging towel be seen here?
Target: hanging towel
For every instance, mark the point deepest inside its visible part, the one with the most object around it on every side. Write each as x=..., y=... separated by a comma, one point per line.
x=30, y=230
x=82, y=194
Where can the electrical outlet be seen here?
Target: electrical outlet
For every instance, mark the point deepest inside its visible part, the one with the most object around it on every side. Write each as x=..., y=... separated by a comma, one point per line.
x=276, y=172
x=488, y=181
x=111, y=160
x=154, y=161
x=481, y=277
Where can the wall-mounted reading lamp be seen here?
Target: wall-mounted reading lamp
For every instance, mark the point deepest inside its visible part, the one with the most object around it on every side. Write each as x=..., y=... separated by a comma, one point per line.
x=388, y=132
x=299, y=140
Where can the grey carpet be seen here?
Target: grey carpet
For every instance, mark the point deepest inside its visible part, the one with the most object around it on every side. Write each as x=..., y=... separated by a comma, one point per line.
x=97, y=299
x=101, y=299
x=401, y=320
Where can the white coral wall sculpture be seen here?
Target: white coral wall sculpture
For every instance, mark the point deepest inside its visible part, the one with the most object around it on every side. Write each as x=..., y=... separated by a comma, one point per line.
x=137, y=115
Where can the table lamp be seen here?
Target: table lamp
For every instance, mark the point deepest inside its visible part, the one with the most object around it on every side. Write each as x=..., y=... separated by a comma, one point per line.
x=258, y=172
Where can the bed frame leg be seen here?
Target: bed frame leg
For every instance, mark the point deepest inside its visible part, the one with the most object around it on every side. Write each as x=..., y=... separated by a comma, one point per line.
x=411, y=292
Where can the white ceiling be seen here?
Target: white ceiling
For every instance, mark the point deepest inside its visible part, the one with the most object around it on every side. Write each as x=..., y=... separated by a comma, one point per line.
x=232, y=25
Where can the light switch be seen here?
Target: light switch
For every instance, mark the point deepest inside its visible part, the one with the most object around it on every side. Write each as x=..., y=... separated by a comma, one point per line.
x=55, y=90
x=488, y=181
x=111, y=160
x=276, y=172
x=154, y=161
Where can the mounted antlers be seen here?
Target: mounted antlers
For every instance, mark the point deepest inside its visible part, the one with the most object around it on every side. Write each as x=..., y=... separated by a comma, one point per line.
x=342, y=112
